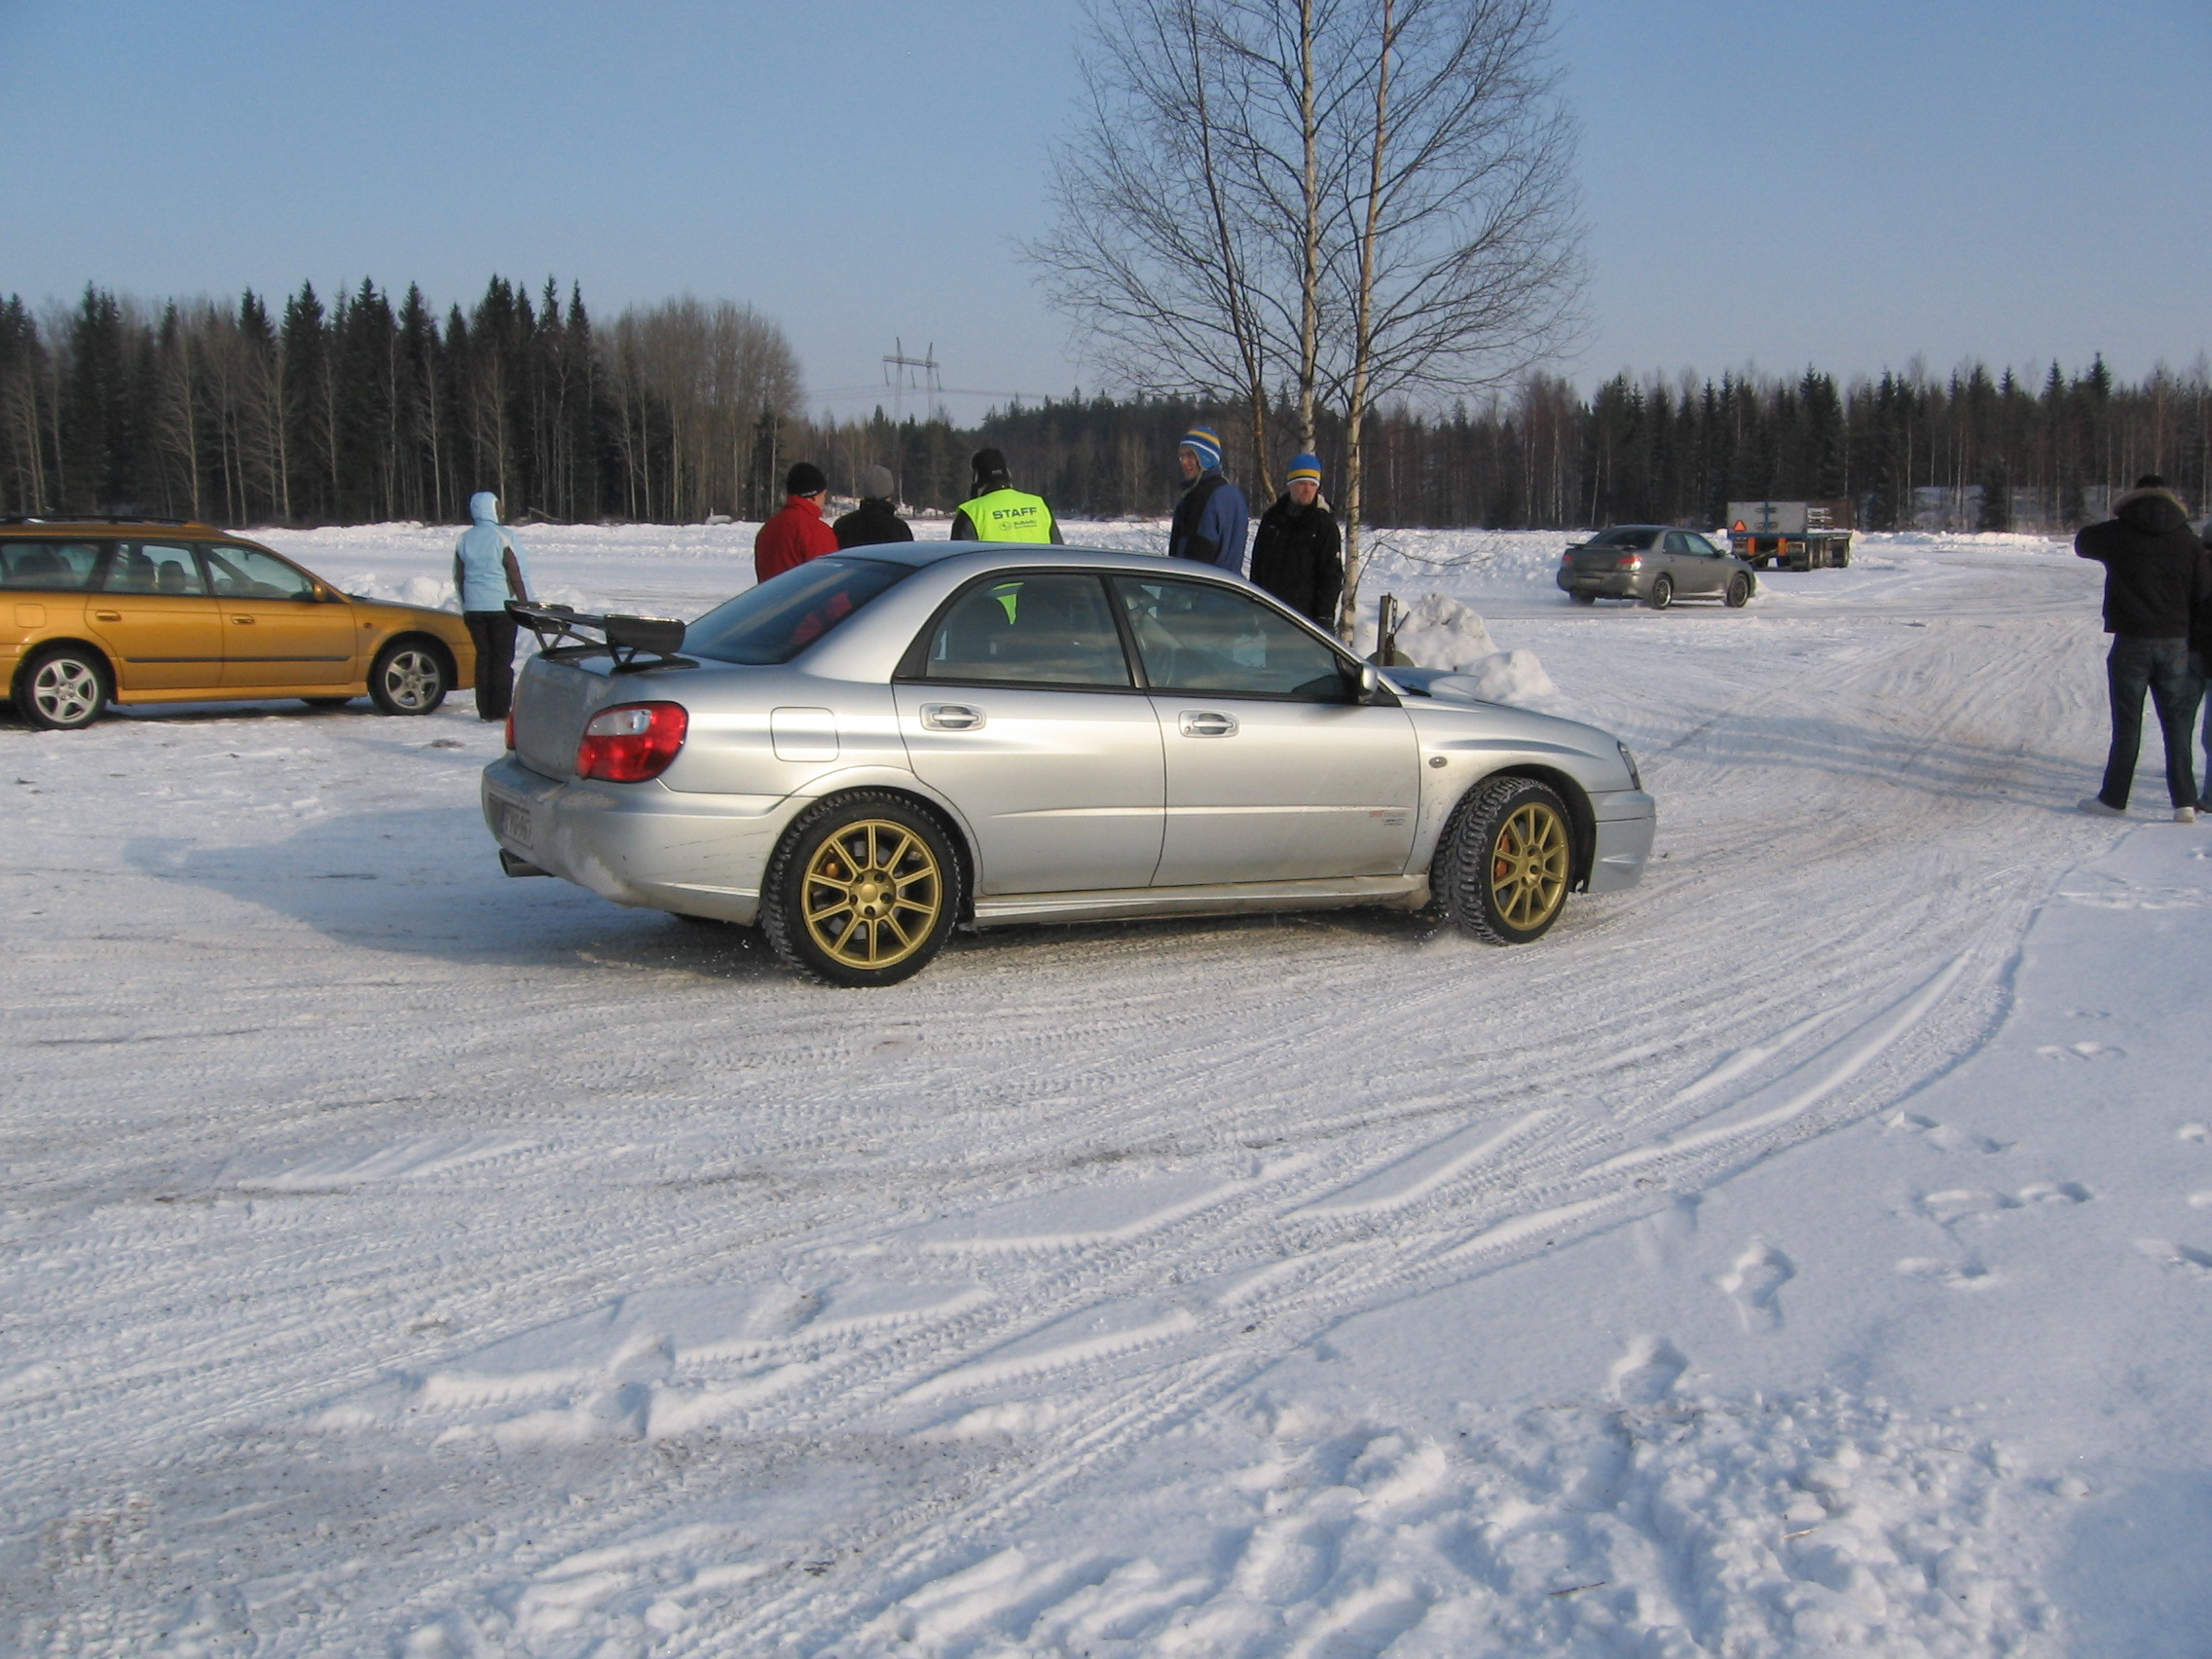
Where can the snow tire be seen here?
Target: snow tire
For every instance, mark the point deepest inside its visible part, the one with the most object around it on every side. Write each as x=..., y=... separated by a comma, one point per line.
x=1507, y=830
x=798, y=867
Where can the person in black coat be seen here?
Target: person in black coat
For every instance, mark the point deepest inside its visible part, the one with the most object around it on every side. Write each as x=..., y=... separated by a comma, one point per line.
x=876, y=519
x=2157, y=582
x=1298, y=554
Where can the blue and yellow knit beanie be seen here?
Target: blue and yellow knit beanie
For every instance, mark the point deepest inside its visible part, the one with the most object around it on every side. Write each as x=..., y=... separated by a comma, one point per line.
x=1304, y=467
x=1201, y=442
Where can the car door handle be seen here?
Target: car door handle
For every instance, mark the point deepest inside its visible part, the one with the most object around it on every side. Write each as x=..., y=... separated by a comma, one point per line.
x=244, y=621
x=107, y=616
x=951, y=717
x=1206, y=723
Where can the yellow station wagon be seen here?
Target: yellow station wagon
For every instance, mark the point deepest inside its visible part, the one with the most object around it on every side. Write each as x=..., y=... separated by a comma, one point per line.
x=136, y=611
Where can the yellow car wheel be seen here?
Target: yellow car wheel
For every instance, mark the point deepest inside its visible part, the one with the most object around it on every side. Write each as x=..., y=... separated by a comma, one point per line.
x=410, y=676
x=1507, y=861
x=62, y=689
x=863, y=890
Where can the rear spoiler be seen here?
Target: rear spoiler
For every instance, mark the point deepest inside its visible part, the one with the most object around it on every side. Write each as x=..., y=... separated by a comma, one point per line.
x=633, y=642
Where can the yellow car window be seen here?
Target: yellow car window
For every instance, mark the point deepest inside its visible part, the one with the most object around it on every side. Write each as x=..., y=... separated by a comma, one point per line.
x=248, y=572
x=151, y=568
x=57, y=567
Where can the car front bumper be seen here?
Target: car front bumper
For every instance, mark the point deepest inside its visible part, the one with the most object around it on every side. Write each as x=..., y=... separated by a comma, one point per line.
x=1628, y=820
x=638, y=844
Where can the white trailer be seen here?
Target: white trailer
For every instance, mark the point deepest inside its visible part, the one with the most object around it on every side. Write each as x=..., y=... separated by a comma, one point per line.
x=1791, y=536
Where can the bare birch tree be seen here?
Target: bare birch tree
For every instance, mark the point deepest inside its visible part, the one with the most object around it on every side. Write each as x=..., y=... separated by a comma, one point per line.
x=1153, y=251
x=704, y=375
x=1371, y=198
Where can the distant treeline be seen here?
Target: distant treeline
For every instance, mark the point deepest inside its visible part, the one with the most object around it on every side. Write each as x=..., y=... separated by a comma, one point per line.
x=1973, y=450
x=366, y=410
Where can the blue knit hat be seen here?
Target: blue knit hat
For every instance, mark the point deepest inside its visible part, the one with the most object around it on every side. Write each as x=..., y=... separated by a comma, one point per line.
x=1306, y=466
x=1201, y=442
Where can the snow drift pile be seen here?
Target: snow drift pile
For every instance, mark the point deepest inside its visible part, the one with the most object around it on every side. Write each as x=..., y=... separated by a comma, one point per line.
x=1440, y=631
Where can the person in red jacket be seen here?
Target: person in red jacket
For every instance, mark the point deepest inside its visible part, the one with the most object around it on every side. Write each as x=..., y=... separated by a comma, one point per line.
x=799, y=532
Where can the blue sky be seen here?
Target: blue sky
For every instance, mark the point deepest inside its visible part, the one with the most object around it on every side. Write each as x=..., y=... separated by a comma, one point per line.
x=1847, y=184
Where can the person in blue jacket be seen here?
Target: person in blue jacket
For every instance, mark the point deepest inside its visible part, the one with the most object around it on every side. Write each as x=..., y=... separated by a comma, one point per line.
x=488, y=572
x=1211, y=518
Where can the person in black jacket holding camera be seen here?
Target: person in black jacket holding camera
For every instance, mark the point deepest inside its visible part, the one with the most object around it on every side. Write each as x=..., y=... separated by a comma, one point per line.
x=2158, y=585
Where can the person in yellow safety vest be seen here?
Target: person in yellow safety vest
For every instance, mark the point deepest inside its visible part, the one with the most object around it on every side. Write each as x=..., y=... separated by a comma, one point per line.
x=998, y=511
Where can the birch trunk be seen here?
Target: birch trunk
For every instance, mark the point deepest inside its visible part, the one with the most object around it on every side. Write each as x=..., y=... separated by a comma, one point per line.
x=1363, y=332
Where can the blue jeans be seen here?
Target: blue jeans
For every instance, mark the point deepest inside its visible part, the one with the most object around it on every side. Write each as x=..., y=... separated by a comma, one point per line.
x=2200, y=665
x=2163, y=668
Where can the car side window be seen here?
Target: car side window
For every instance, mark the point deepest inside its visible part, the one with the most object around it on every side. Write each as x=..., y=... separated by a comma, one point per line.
x=56, y=566
x=1201, y=636
x=1677, y=542
x=248, y=572
x=1698, y=545
x=150, y=567
x=1050, y=629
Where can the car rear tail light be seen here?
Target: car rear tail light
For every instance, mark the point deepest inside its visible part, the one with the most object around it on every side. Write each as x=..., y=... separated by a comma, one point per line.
x=510, y=728
x=631, y=743
x=1634, y=562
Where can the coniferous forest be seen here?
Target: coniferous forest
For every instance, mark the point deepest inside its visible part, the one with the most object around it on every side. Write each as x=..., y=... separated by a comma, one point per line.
x=364, y=409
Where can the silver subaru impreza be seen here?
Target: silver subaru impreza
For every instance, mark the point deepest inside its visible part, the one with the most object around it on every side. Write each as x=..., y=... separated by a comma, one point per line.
x=881, y=745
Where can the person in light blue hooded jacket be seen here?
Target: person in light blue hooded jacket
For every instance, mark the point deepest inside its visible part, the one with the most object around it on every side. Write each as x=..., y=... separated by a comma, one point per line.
x=488, y=572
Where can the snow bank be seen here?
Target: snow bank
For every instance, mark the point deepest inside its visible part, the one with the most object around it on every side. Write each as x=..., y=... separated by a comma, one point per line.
x=1511, y=676
x=1439, y=632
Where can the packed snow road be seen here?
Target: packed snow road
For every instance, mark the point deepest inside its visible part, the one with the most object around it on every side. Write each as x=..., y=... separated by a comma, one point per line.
x=399, y=1257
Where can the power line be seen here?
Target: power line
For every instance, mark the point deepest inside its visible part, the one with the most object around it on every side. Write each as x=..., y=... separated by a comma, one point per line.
x=905, y=365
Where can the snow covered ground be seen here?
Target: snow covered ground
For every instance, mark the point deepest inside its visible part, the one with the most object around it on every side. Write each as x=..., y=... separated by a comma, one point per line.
x=1808, y=1250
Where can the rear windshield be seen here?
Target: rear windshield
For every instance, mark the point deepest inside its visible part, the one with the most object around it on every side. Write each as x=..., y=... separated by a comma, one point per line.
x=784, y=615
x=1628, y=538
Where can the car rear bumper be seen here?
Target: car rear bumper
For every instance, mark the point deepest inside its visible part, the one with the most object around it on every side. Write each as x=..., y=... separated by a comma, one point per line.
x=1603, y=584
x=639, y=844
x=1627, y=822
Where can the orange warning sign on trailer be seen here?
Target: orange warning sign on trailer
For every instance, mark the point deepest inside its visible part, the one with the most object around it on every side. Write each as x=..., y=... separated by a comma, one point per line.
x=1737, y=528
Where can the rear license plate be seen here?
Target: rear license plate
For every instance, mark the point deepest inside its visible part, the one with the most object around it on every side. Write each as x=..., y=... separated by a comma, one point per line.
x=514, y=823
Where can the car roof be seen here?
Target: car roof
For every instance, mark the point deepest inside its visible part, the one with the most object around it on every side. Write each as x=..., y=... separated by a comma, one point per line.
x=985, y=556
x=26, y=523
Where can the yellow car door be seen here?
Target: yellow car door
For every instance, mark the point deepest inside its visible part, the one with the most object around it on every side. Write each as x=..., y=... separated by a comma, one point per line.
x=280, y=626
x=151, y=608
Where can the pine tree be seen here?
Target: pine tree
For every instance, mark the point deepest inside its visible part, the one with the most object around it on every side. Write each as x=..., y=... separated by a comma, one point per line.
x=305, y=347
x=99, y=459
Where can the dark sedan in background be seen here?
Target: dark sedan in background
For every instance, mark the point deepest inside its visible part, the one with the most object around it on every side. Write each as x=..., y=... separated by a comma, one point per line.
x=1654, y=565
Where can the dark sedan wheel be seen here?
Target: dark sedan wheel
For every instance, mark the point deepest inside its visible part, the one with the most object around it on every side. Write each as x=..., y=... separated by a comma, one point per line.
x=410, y=677
x=1506, y=862
x=62, y=688
x=1739, y=592
x=862, y=891
x=1662, y=593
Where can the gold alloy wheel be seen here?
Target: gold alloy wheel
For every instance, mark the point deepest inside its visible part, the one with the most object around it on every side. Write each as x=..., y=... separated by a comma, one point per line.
x=871, y=893
x=1528, y=865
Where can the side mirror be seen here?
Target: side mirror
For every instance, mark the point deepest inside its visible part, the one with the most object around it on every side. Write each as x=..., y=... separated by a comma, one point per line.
x=1370, y=682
